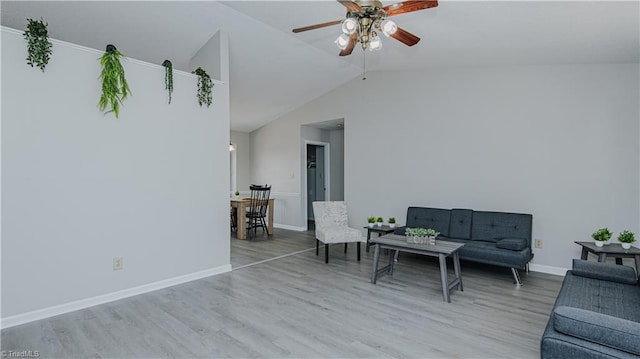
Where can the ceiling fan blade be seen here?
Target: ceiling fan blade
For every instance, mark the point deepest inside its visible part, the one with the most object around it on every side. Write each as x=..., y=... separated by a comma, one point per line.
x=317, y=26
x=405, y=37
x=409, y=6
x=350, y=5
x=349, y=49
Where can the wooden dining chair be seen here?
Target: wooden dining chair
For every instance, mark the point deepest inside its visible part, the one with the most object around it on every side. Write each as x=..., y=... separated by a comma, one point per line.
x=257, y=210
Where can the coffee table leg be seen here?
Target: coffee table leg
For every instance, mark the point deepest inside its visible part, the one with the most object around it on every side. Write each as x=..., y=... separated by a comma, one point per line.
x=391, y=261
x=376, y=257
x=443, y=277
x=456, y=268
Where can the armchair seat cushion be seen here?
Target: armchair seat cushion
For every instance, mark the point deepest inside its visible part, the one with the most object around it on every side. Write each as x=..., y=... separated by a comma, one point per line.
x=599, y=328
x=340, y=235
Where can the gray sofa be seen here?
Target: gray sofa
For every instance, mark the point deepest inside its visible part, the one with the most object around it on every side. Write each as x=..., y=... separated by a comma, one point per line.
x=497, y=238
x=596, y=314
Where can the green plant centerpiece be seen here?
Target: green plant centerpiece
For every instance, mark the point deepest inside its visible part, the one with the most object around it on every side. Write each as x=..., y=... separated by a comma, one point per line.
x=38, y=44
x=168, y=77
x=392, y=222
x=626, y=238
x=237, y=193
x=601, y=235
x=114, y=85
x=379, y=221
x=205, y=84
x=421, y=235
x=371, y=221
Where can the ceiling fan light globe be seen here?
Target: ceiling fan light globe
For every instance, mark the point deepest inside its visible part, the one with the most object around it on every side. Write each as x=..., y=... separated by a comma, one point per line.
x=389, y=27
x=342, y=41
x=349, y=26
x=375, y=44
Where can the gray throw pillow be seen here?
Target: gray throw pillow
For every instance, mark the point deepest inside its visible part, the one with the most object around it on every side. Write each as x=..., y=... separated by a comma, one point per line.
x=514, y=244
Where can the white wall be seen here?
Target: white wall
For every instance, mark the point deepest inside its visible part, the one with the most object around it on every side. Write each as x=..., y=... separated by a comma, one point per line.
x=80, y=188
x=242, y=143
x=560, y=142
x=336, y=139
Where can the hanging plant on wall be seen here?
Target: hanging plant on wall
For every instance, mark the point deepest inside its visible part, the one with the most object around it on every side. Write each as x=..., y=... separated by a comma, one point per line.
x=168, y=77
x=204, y=87
x=114, y=85
x=38, y=44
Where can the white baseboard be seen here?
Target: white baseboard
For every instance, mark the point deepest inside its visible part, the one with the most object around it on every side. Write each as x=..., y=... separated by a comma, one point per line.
x=109, y=297
x=548, y=269
x=291, y=228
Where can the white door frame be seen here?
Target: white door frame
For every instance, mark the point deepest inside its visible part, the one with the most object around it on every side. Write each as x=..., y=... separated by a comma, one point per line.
x=327, y=176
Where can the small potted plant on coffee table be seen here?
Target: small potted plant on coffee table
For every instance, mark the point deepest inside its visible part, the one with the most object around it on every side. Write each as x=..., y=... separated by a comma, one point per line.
x=392, y=222
x=379, y=221
x=626, y=238
x=601, y=235
x=371, y=221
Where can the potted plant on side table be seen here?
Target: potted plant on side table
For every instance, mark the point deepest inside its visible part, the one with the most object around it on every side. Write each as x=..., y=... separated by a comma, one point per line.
x=379, y=221
x=601, y=235
x=626, y=238
x=371, y=221
x=392, y=222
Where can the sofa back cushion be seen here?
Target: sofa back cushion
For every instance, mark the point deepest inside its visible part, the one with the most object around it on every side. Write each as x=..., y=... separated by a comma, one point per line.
x=425, y=217
x=494, y=226
x=460, y=224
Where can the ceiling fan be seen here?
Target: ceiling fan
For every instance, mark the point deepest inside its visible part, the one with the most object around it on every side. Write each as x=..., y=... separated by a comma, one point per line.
x=366, y=17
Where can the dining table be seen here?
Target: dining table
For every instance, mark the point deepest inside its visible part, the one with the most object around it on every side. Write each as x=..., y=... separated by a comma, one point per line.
x=241, y=204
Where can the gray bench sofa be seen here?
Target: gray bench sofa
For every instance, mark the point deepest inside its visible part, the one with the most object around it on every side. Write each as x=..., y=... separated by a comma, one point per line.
x=596, y=314
x=497, y=238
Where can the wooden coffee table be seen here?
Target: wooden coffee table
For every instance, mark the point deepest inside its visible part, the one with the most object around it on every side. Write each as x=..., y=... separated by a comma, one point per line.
x=610, y=250
x=442, y=250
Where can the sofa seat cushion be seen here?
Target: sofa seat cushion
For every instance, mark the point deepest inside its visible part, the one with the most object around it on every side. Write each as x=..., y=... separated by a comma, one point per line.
x=514, y=244
x=599, y=328
x=489, y=253
x=601, y=296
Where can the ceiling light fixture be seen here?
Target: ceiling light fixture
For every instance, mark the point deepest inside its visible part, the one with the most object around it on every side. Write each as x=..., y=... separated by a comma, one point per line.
x=364, y=25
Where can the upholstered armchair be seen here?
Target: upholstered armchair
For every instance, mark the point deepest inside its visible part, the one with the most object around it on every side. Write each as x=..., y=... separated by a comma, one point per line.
x=331, y=227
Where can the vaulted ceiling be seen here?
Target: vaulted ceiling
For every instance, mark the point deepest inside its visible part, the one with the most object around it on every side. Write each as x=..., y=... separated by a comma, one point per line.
x=274, y=70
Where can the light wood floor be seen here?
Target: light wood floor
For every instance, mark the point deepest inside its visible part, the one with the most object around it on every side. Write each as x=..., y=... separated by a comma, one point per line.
x=297, y=306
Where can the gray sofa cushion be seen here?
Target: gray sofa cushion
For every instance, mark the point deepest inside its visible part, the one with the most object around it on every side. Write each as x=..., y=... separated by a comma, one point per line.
x=424, y=217
x=460, y=224
x=514, y=244
x=493, y=226
x=488, y=253
x=596, y=295
x=604, y=271
x=598, y=328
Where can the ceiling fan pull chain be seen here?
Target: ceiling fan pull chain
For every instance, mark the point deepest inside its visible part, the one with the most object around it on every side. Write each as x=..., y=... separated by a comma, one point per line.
x=364, y=65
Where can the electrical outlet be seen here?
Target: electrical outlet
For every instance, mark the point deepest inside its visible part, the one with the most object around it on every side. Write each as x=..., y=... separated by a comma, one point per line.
x=538, y=243
x=117, y=263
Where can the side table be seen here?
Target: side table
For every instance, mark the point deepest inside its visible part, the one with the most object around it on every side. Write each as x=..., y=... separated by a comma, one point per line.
x=384, y=229
x=613, y=250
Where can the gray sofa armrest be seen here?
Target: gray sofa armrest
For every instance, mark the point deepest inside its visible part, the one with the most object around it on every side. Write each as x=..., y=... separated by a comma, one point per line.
x=604, y=271
x=599, y=328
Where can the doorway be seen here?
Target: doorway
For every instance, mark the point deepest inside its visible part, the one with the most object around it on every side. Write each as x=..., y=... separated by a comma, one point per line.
x=317, y=159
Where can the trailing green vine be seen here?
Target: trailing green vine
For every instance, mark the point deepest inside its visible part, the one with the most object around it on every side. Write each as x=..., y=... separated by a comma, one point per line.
x=114, y=85
x=168, y=77
x=38, y=44
x=204, y=87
